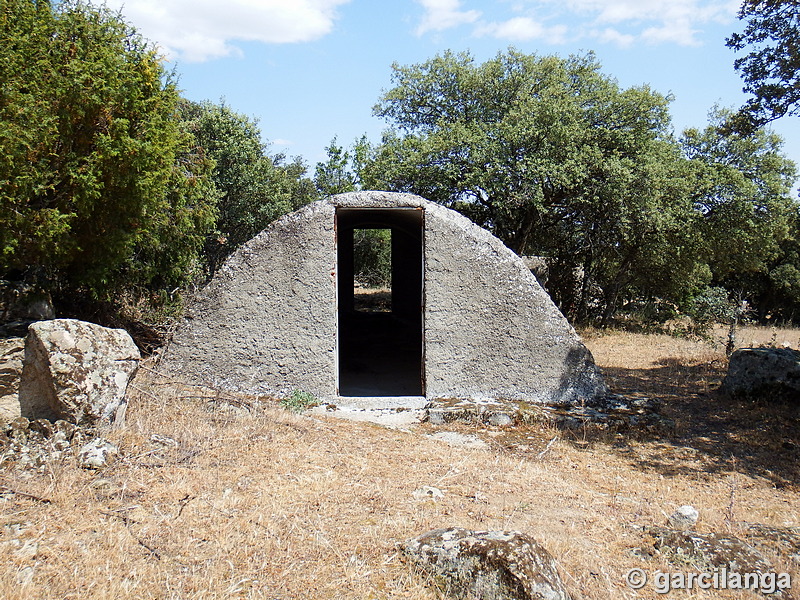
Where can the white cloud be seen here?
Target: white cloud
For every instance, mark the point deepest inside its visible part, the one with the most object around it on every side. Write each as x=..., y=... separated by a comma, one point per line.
x=676, y=21
x=612, y=36
x=444, y=14
x=620, y=22
x=199, y=30
x=523, y=29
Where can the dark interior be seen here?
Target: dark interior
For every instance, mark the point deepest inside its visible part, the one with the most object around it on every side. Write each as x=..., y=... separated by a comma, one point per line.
x=380, y=353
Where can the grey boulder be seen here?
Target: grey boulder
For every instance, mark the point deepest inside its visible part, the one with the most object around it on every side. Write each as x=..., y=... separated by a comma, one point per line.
x=76, y=371
x=768, y=372
x=491, y=565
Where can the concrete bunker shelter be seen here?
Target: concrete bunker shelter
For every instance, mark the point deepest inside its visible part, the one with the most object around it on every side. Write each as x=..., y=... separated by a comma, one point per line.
x=467, y=319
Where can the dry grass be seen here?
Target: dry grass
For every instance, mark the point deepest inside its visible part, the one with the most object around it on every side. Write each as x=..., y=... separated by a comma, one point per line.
x=265, y=504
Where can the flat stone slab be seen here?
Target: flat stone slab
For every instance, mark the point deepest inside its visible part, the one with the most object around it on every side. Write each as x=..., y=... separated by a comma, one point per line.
x=380, y=402
x=374, y=410
x=460, y=440
x=610, y=411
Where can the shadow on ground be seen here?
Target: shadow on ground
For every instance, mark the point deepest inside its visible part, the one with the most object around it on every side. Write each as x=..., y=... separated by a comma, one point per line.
x=713, y=432
x=698, y=431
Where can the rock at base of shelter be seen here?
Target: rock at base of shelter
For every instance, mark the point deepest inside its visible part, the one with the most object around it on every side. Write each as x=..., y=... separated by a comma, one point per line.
x=76, y=371
x=12, y=351
x=773, y=372
x=491, y=565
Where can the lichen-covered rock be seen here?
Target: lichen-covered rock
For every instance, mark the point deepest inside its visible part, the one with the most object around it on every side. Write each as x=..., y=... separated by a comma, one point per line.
x=76, y=371
x=784, y=541
x=704, y=550
x=491, y=565
x=773, y=372
x=12, y=351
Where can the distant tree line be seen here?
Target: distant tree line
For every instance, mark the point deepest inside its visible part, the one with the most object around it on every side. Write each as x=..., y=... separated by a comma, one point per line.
x=114, y=189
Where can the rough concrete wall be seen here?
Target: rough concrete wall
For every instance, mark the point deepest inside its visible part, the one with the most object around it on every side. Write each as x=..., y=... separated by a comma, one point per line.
x=491, y=331
x=266, y=323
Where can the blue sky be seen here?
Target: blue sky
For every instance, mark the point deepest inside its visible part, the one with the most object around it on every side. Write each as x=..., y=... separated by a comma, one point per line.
x=310, y=70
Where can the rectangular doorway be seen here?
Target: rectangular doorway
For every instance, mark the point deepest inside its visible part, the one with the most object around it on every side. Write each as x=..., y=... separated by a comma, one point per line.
x=380, y=281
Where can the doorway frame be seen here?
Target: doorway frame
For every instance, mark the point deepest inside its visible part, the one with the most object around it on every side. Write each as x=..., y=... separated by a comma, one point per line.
x=374, y=219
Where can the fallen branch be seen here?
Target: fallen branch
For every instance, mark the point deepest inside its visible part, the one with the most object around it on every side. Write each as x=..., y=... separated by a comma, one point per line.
x=145, y=546
x=122, y=518
x=26, y=495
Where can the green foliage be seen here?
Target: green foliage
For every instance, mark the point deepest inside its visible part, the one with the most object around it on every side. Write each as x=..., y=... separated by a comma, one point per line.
x=554, y=158
x=98, y=190
x=741, y=192
x=334, y=175
x=711, y=305
x=252, y=188
x=372, y=257
x=771, y=68
x=299, y=401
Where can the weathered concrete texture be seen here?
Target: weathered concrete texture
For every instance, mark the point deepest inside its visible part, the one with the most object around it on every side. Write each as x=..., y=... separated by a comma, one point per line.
x=267, y=323
x=76, y=371
x=767, y=372
x=491, y=331
x=492, y=565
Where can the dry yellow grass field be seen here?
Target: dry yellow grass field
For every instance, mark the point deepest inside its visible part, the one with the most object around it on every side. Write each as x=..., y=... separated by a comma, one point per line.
x=262, y=503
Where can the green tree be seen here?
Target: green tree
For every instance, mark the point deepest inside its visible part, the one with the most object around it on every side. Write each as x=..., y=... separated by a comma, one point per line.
x=553, y=157
x=98, y=188
x=771, y=68
x=253, y=188
x=335, y=176
x=741, y=190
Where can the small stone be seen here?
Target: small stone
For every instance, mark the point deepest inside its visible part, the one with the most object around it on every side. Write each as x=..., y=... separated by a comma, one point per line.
x=684, y=518
x=500, y=419
x=428, y=492
x=66, y=428
x=459, y=439
x=25, y=576
x=97, y=454
x=107, y=487
x=60, y=443
x=163, y=440
x=27, y=551
x=20, y=425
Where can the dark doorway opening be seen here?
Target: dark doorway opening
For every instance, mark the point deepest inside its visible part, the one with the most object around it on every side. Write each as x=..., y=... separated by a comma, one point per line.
x=380, y=312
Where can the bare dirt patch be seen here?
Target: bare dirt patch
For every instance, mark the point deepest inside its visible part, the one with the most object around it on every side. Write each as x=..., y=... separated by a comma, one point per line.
x=256, y=502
